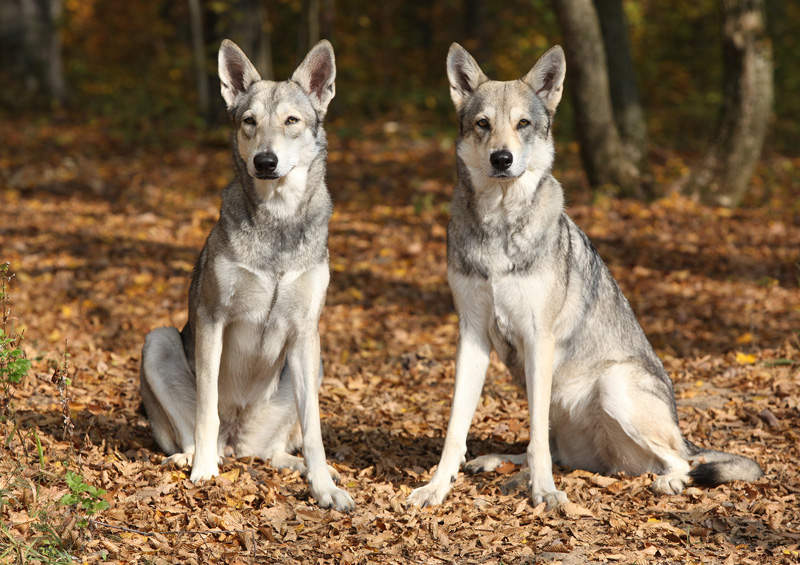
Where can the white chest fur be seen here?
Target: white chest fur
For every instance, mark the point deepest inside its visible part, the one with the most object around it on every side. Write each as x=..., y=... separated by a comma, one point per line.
x=507, y=307
x=263, y=313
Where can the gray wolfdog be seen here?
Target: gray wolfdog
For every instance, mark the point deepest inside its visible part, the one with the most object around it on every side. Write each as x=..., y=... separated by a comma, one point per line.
x=246, y=367
x=527, y=281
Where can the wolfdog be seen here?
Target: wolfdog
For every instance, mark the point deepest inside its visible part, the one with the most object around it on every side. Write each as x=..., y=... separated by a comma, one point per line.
x=527, y=281
x=246, y=367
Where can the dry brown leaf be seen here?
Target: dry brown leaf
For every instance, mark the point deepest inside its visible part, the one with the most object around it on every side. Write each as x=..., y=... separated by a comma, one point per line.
x=573, y=510
x=101, y=272
x=505, y=468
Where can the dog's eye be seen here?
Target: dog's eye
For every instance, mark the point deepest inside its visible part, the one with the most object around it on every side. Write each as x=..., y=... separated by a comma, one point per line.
x=291, y=120
x=523, y=123
x=483, y=123
x=250, y=121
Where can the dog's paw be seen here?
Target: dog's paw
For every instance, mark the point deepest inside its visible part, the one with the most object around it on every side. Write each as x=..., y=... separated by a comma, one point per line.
x=287, y=461
x=333, y=497
x=179, y=460
x=430, y=495
x=669, y=484
x=553, y=498
x=484, y=463
x=203, y=472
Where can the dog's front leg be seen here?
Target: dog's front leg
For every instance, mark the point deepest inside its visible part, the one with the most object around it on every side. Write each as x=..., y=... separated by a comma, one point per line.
x=304, y=366
x=539, y=381
x=208, y=351
x=472, y=361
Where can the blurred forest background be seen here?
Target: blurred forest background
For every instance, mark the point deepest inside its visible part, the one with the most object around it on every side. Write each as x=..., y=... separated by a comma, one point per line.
x=692, y=78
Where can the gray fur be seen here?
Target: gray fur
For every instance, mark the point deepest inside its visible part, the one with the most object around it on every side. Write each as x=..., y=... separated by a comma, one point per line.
x=242, y=376
x=527, y=282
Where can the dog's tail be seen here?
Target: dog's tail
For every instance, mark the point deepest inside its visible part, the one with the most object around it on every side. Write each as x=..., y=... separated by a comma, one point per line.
x=711, y=468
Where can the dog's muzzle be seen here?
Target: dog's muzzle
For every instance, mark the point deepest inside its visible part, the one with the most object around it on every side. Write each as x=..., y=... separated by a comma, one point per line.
x=501, y=160
x=266, y=165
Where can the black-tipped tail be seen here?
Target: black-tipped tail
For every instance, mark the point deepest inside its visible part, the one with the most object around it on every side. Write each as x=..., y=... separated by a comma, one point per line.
x=717, y=467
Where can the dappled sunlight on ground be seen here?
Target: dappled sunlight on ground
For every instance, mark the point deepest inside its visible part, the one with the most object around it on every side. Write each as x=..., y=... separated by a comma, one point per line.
x=103, y=245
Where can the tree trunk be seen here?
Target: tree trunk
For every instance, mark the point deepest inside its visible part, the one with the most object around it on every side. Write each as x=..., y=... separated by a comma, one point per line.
x=263, y=56
x=199, y=55
x=43, y=63
x=628, y=113
x=602, y=152
x=30, y=41
x=56, y=83
x=725, y=172
x=308, y=34
x=475, y=28
x=244, y=28
x=250, y=30
x=328, y=19
x=313, y=22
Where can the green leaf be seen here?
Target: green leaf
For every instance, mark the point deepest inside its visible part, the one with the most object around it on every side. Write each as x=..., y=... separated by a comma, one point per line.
x=68, y=499
x=75, y=482
x=95, y=491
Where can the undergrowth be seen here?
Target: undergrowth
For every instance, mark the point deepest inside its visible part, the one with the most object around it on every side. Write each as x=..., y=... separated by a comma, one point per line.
x=52, y=529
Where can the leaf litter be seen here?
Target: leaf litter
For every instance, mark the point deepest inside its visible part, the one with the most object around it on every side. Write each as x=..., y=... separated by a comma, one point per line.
x=105, y=255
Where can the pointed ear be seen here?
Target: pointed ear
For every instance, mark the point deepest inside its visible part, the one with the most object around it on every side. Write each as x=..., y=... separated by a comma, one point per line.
x=317, y=75
x=547, y=77
x=236, y=72
x=463, y=73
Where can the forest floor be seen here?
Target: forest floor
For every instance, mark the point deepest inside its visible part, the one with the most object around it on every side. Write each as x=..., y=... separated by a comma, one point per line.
x=103, y=243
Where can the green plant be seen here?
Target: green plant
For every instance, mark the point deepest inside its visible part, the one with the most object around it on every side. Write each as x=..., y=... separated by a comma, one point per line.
x=45, y=547
x=83, y=497
x=39, y=449
x=13, y=364
x=42, y=543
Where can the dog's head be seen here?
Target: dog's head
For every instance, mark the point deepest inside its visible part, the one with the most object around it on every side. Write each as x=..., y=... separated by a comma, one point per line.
x=505, y=126
x=276, y=122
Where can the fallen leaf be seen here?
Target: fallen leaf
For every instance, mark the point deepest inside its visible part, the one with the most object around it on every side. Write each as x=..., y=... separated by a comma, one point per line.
x=745, y=358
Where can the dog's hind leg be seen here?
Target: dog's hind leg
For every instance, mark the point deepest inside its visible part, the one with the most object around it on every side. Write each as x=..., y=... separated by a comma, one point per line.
x=492, y=461
x=266, y=426
x=640, y=428
x=168, y=394
x=163, y=432
x=270, y=430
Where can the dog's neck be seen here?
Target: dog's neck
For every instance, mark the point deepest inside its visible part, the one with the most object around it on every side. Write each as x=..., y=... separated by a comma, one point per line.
x=500, y=198
x=282, y=197
x=496, y=230
x=503, y=202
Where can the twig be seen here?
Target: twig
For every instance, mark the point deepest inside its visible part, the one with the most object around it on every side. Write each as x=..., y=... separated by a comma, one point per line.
x=61, y=379
x=21, y=441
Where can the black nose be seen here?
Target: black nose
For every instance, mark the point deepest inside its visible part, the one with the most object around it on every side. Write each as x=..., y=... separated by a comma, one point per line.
x=501, y=160
x=265, y=162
